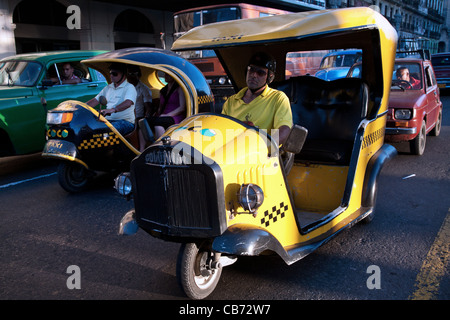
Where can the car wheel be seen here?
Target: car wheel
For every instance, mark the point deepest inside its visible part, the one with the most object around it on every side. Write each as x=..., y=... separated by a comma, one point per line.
x=417, y=145
x=72, y=177
x=195, y=274
x=437, y=127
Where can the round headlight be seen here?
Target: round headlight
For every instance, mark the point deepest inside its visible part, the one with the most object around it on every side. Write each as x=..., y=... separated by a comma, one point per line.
x=250, y=197
x=123, y=184
x=402, y=114
x=222, y=80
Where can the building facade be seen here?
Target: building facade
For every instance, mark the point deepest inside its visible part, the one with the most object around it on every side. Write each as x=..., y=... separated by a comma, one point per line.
x=46, y=25
x=421, y=24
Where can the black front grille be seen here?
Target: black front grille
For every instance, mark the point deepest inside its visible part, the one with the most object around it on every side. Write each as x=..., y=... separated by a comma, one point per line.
x=178, y=200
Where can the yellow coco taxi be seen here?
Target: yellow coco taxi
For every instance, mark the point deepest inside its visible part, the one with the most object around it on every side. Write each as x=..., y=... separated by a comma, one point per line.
x=225, y=189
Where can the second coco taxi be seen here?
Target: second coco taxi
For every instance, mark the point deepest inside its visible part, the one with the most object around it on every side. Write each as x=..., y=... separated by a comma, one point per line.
x=86, y=143
x=224, y=189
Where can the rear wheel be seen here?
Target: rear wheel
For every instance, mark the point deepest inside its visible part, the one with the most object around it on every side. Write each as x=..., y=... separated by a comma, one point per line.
x=198, y=270
x=437, y=128
x=417, y=145
x=73, y=177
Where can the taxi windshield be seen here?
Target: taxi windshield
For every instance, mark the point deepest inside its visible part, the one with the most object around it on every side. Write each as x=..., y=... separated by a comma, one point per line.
x=19, y=73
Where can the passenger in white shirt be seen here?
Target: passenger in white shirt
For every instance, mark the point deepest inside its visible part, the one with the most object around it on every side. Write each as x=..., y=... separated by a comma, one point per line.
x=121, y=99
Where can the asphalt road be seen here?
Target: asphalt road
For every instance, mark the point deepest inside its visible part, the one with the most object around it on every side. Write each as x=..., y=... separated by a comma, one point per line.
x=44, y=231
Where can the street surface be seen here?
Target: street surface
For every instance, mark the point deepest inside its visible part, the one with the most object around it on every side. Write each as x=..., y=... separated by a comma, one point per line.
x=403, y=254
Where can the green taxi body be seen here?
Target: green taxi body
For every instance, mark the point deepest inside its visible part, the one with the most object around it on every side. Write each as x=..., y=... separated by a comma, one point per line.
x=30, y=85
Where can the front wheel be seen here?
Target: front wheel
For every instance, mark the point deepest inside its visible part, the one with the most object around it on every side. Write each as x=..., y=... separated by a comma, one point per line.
x=198, y=270
x=73, y=177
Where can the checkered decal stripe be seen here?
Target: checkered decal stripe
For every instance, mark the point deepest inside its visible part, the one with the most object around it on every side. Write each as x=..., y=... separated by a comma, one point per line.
x=373, y=137
x=99, y=142
x=205, y=99
x=274, y=215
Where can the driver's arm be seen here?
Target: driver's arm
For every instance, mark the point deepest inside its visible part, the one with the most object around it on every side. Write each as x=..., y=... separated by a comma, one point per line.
x=284, y=133
x=124, y=105
x=93, y=102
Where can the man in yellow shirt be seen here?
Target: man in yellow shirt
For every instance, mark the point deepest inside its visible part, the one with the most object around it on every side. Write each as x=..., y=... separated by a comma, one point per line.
x=259, y=105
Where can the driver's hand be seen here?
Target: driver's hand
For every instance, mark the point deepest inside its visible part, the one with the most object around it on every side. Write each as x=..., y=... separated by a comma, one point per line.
x=106, y=112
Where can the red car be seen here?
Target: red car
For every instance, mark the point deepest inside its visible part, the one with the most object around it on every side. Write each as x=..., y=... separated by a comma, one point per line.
x=415, y=107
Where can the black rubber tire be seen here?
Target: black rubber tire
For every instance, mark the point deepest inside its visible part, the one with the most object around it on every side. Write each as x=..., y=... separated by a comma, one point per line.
x=190, y=265
x=417, y=145
x=73, y=177
x=437, y=127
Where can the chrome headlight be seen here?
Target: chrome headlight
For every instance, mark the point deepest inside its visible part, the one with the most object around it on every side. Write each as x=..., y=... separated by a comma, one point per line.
x=402, y=114
x=222, y=80
x=59, y=117
x=123, y=184
x=250, y=197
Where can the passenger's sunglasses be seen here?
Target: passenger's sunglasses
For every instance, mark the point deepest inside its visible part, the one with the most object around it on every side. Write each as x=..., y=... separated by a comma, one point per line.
x=258, y=71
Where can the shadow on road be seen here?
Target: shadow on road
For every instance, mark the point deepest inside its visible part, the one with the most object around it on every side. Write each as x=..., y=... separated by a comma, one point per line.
x=15, y=164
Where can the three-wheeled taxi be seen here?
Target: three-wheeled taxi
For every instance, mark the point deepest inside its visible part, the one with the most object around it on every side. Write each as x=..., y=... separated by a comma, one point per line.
x=86, y=142
x=226, y=189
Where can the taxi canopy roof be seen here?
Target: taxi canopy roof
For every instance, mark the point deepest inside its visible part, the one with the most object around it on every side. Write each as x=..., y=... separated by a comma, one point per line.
x=152, y=60
x=360, y=27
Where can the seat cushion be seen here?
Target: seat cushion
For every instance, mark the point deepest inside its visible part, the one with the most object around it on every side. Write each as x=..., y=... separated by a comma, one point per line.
x=330, y=151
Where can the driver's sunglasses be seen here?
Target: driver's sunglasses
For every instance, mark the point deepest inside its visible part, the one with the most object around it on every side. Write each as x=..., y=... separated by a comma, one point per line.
x=114, y=73
x=260, y=72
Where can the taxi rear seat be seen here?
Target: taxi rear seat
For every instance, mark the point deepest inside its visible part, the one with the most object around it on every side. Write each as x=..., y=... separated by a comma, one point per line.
x=331, y=111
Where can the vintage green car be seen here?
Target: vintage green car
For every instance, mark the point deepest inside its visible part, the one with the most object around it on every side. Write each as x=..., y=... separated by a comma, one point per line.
x=31, y=84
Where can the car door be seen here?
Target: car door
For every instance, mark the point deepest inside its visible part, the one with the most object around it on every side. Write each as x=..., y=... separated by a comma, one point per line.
x=433, y=98
x=21, y=111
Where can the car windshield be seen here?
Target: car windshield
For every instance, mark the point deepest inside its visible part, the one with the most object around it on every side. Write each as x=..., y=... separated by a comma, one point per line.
x=340, y=60
x=407, y=76
x=19, y=73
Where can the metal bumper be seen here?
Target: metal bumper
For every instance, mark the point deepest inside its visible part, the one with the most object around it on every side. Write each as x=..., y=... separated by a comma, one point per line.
x=63, y=150
x=401, y=130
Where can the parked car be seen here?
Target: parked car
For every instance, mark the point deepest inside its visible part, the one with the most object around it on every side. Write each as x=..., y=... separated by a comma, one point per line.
x=441, y=65
x=415, y=107
x=31, y=84
x=336, y=65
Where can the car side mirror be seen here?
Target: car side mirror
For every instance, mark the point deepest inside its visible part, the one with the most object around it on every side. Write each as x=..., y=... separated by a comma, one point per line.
x=296, y=139
x=103, y=101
